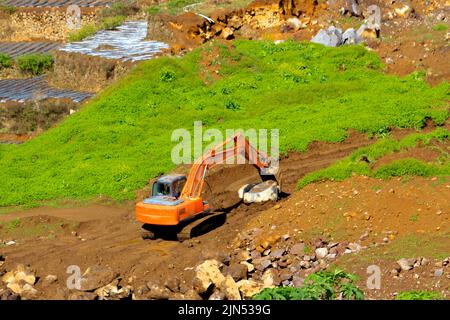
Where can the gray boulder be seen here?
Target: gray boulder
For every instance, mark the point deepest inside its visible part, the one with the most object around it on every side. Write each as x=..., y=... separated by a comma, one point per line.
x=332, y=37
x=350, y=37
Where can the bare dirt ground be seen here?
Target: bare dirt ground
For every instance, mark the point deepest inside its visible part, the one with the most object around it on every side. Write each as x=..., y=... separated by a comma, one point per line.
x=110, y=235
x=51, y=239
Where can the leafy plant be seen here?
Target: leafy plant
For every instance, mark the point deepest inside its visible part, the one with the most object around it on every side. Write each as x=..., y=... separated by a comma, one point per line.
x=35, y=63
x=5, y=61
x=322, y=285
x=167, y=75
x=419, y=295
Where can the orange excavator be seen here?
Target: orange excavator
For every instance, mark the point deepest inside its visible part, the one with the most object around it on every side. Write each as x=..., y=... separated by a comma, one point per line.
x=176, y=205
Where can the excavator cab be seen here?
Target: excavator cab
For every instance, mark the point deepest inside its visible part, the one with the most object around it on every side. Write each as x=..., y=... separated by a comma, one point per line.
x=169, y=186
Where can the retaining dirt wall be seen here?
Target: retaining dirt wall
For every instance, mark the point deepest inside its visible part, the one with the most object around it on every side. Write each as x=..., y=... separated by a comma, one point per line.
x=28, y=24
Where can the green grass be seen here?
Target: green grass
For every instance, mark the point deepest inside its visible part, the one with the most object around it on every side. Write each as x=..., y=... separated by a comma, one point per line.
x=170, y=7
x=440, y=27
x=404, y=167
x=108, y=23
x=121, y=139
x=419, y=295
x=5, y=61
x=175, y=7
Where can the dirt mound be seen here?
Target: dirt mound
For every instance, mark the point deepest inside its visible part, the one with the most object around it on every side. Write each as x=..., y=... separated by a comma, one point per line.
x=362, y=206
x=87, y=73
x=223, y=182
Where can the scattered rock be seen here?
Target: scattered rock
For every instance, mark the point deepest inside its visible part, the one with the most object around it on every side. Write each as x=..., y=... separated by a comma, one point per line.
x=237, y=271
x=113, y=292
x=217, y=295
x=292, y=24
x=354, y=247
x=277, y=254
x=21, y=281
x=95, y=277
x=227, y=33
x=331, y=256
x=271, y=278
x=262, y=263
x=249, y=288
x=332, y=37
x=350, y=37
x=79, y=295
x=157, y=292
x=207, y=273
x=230, y=289
x=255, y=255
x=406, y=264
x=321, y=252
x=8, y=294
x=50, y=279
x=438, y=272
x=297, y=249
x=250, y=267
x=173, y=284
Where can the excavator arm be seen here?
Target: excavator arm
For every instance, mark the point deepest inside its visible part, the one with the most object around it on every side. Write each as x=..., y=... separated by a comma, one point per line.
x=218, y=155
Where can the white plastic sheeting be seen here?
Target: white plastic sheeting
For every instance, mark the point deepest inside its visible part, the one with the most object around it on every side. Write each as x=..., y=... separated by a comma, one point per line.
x=126, y=43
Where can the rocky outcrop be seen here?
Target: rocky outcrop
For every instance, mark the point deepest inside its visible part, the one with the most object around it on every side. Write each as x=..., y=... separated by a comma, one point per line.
x=47, y=23
x=189, y=29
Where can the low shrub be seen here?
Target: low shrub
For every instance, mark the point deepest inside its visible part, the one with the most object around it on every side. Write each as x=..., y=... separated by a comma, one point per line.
x=5, y=61
x=322, y=285
x=35, y=63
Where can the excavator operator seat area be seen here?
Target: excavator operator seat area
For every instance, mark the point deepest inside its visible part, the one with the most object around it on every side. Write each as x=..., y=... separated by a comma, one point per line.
x=169, y=186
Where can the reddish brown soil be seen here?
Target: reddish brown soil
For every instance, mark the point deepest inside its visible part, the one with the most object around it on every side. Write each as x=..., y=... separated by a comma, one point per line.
x=393, y=218
x=111, y=234
x=14, y=138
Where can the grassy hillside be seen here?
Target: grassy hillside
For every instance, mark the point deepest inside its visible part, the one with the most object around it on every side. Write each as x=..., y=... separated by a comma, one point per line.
x=121, y=139
x=344, y=168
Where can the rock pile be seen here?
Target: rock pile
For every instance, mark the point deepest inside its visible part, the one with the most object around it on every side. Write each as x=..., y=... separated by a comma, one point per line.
x=334, y=37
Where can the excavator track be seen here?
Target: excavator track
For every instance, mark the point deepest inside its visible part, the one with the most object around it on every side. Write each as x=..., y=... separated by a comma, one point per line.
x=198, y=225
x=201, y=225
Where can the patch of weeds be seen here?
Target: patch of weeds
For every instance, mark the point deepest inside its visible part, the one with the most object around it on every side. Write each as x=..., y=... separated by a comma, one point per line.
x=5, y=61
x=419, y=295
x=414, y=217
x=440, y=27
x=322, y=285
x=13, y=224
x=35, y=63
x=6, y=8
x=167, y=75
